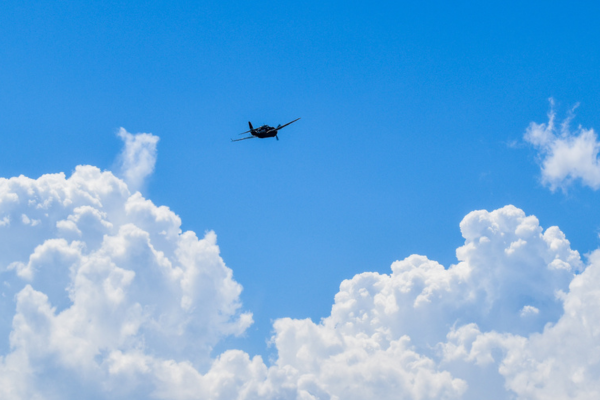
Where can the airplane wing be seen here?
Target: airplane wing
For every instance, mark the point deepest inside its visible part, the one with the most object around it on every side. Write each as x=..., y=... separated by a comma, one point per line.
x=249, y=137
x=283, y=126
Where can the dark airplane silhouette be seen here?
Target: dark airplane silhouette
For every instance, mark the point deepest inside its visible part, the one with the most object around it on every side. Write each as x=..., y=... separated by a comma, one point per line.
x=264, y=131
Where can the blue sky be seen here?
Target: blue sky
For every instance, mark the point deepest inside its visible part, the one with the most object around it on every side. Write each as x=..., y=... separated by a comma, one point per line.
x=413, y=116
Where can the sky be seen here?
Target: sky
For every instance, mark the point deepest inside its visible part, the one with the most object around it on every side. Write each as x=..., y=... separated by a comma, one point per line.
x=426, y=230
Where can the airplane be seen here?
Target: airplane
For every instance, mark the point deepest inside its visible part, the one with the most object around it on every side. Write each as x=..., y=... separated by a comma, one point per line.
x=264, y=131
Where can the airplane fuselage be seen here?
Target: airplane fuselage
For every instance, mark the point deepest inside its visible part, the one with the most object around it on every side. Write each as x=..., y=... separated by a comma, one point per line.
x=265, y=131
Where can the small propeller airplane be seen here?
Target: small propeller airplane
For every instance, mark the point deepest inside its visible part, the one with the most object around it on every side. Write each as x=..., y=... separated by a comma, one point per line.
x=264, y=131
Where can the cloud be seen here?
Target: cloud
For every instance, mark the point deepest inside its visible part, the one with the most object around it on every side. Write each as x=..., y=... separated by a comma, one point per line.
x=561, y=362
x=104, y=280
x=105, y=297
x=565, y=156
x=387, y=335
x=138, y=157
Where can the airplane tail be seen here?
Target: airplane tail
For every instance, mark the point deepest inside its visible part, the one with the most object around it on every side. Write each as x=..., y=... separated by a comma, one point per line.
x=250, y=125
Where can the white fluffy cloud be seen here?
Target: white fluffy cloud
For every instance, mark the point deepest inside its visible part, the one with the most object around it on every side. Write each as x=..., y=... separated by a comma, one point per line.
x=386, y=336
x=138, y=157
x=103, y=296
x=561, y=362
x=565, y=155
x=103, y=278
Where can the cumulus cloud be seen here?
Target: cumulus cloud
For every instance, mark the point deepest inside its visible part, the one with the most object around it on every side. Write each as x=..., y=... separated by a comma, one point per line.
x=138, y=157
x=103, y=284
x=387, y=335
x=103, y=296
x=565, y=155
x=561, y=362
